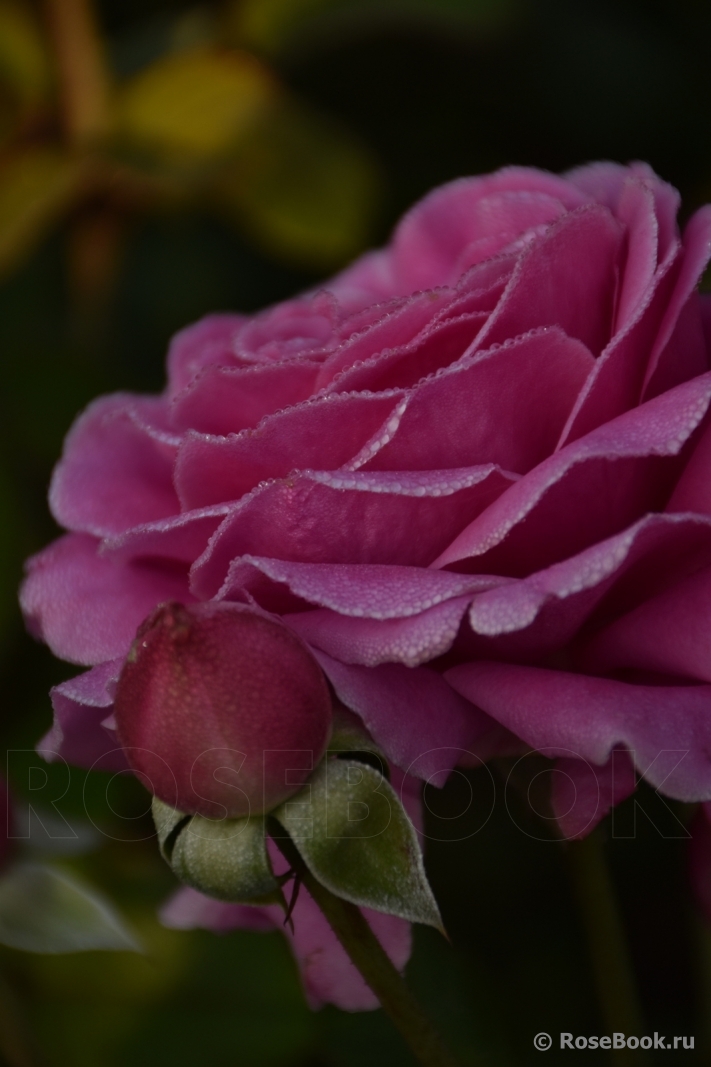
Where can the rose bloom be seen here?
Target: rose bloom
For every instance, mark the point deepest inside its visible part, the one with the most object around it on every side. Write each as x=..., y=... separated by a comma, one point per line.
x=472, y=473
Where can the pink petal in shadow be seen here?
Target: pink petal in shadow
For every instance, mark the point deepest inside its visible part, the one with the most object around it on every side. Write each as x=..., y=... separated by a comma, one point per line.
x=82, y=733
x=86, y=607
x=667, y=729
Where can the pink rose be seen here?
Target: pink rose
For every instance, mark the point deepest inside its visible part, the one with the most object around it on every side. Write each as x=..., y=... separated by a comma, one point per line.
x=473, y=474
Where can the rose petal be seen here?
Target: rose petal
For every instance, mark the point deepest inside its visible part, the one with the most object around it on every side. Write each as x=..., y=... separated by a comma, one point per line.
x=544, y=611
x=374, y=591
x=704, y=301
x=686, y=353
x=669, y=632
x=223, y=399
x=87, y=607
x=697, y=251
x=442, y=342
x=80, y=734
x=306, y=326
x=114, y=472
x=629, y=364
x=325, y=433
x=692, y=491
x=326, y=971
x=206, y=342
x=396, y=329
x=429, y=242
x=369, y=642
x=178, y=539
x=487, y=407
x=439, y=226
x=189, y=910
x=582, y=793
x=397, y=325
x=522, y=530
x=605, y=182
x=565, y=278
x=372, y=517
x=616, y=382
x=666, y=729
x=636, y=209
x=420, y=723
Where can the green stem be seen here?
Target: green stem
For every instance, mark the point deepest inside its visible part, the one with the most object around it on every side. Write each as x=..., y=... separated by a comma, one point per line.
x=82, y=72
x=369, y=957
x=612, y=966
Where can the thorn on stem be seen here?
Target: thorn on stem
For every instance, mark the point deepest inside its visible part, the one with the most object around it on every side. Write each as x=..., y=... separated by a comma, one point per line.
x=292, y=903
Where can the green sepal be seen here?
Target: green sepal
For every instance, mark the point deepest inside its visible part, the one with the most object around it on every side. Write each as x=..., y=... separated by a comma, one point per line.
x=356, y=838
x=167, y=821
x=349, y=736
x=226, y=859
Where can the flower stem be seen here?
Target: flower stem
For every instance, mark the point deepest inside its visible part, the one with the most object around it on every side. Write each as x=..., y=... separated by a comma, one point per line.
x=612, y=966
x=81, y=69
x=369, y=957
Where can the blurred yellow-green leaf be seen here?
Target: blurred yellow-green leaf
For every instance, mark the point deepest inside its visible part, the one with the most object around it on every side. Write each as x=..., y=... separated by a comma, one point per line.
x=270, y=25
x=265, y=24
x=36, y=185
x=24, y=64
x=194, y=105
x=303, y=187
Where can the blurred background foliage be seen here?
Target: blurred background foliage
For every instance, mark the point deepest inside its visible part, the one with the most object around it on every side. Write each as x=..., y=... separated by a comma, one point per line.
x=160, y=159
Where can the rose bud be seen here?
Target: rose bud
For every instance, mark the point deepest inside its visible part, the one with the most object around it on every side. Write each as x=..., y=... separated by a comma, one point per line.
x=221, y=709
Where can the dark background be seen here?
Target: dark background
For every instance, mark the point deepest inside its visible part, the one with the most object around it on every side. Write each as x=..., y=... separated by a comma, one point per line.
x=427, y=92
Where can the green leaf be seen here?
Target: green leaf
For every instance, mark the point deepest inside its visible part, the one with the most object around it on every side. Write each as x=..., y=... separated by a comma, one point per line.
x=267, y=24
x=356, y=838
x=225, y=858
x=43, y=909
x=24, y=62
x=193, y=105
x=271, y=26
x=303, y=186
x=36, y=186
x=49, y=834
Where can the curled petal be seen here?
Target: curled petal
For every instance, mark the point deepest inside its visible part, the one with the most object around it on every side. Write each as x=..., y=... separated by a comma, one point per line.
x=361, y=517
x=582, y=793
x=666, y=729
x=87, y=607
x=83, y=732
x=204, y=343
x=419, y=721
x=116, y=470
x=570, y=500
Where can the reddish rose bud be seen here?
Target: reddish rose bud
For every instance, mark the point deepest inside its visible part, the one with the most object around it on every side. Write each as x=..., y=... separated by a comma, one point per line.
x=221, y=709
